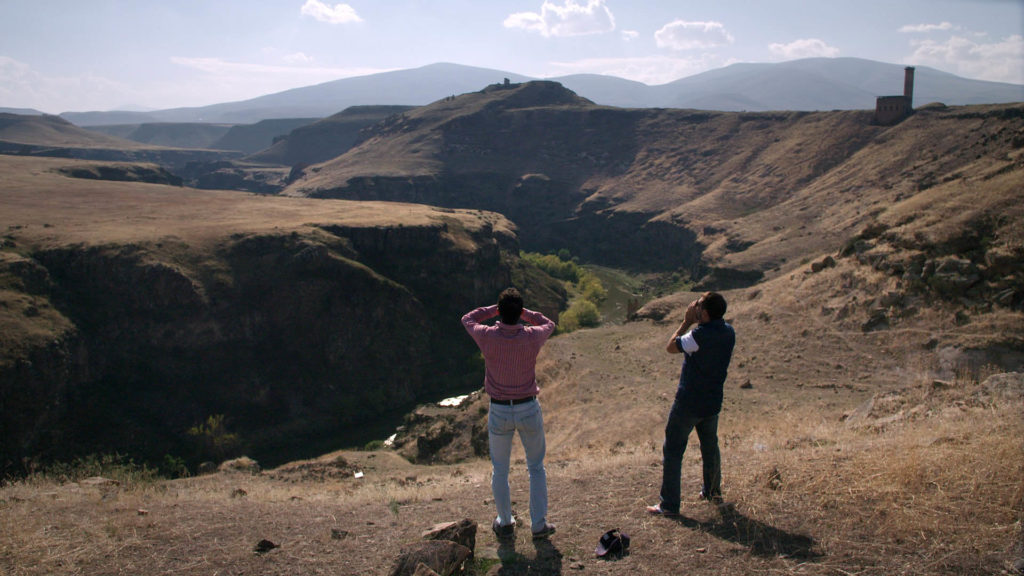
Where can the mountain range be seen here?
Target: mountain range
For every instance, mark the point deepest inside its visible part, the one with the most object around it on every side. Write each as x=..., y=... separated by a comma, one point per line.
x=811, y=84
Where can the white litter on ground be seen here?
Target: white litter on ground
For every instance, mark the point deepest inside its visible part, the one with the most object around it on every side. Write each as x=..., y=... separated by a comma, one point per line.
x=453, y=401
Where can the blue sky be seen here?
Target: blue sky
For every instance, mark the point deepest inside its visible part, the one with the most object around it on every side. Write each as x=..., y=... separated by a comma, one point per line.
x=74, y=55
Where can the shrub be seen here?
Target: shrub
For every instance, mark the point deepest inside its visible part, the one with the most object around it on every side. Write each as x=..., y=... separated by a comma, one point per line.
x=113, y=466
x=581, y=314
x=214, y=439
x=554, y=266
x=173, y=467
x=591, y=288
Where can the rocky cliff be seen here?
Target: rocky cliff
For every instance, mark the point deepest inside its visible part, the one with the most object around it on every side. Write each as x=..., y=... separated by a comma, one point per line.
x=288, y=337
x=725, y=197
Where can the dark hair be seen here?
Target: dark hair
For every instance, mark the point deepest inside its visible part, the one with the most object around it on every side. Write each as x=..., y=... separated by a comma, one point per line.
x=510, y=305
x=714, y=304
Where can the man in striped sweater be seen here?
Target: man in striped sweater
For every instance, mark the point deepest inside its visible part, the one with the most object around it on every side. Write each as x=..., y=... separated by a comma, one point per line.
x=510, y=352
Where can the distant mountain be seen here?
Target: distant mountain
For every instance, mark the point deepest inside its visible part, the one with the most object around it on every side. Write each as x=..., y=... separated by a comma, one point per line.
x=114, y=117
x=22, y=111
x=413, y=87
x=45, y=135
x=246, y=138
x=53, y=131
x=173, y=134
x=800, y=85
x=814, y=84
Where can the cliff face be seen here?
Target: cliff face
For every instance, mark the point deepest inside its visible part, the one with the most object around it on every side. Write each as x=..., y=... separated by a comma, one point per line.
x=295, y=336
x=719, y=195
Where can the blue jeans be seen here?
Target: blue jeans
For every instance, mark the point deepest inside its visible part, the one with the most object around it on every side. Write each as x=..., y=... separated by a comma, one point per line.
x=677, y=433
x=502, y=423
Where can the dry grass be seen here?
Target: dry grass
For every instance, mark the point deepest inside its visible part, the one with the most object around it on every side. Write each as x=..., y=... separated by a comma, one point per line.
x=43, y=208
x=56, y=132
x=918, y=479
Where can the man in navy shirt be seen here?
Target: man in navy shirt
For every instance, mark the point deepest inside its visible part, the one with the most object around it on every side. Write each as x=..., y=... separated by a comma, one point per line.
x=707, y=350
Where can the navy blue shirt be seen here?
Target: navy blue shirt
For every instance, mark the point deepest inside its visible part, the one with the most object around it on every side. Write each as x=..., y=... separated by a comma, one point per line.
x=704, y=370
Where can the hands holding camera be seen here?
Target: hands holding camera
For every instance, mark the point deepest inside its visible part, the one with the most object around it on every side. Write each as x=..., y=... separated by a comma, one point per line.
x=695, y=314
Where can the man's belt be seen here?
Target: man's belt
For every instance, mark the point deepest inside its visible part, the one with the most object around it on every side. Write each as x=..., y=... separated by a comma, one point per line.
x=514, y=402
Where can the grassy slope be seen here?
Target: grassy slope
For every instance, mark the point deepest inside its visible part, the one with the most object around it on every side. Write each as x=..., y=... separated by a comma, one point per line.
x=54, y=131
x=47, y=208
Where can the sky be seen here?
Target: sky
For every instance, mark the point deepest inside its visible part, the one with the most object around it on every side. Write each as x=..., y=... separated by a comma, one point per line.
x=82, y=55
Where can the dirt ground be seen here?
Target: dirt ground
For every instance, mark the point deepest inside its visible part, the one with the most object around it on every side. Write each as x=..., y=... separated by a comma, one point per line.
x=844, y=452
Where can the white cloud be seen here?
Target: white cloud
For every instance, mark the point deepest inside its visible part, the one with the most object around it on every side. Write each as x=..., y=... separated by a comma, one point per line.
x=920, y=28
x=12, y=71
x=1001, y=61
x=804, y=48
x=652, y=70
x=630, y=35
x=219, y=67
x=205, y=81
x=18, y=84
x=570, y=19
x=337, y=14
x=682, y=35
x=23, y=87
x=297, y=58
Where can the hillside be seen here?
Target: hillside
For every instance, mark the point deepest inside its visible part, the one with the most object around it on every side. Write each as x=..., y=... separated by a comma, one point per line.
x=53, y=136
x=177, y=135
x=726, y=198
x=807, y=84
x=132, y=312
x=843, y=452
x=250, y=138
x=246, y=138
x=54, y=131
x=324, y=139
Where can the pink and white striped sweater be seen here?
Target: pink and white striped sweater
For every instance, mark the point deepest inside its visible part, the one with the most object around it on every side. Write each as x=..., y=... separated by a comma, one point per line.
x=510, y=351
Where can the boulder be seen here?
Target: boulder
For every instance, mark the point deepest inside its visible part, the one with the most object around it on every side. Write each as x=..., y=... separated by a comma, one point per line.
x=879, y=320
x=461, y=532
x=1009, y=385
x=240, y=464
x=826, y=262
x=442, y=556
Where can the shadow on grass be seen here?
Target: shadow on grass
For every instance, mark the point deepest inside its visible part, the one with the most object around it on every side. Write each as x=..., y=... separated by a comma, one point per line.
x=547, y=559
x=762, y=539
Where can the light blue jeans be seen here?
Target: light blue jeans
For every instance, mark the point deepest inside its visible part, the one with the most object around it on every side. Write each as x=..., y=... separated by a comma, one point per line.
x=503, y=422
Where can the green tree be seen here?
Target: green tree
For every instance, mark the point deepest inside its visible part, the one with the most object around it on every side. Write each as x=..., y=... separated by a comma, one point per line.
x=581, y=314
